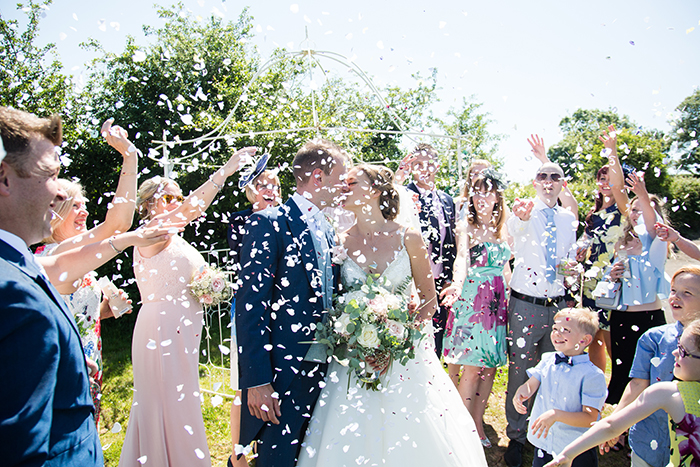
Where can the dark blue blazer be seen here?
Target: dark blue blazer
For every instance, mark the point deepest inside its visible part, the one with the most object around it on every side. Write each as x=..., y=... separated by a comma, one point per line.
x=235, y=232
x=46, y=411
x=280, y=299
x=449, y=245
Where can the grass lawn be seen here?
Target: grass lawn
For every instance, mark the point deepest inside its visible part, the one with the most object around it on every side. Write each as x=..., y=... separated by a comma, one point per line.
x=117, y=394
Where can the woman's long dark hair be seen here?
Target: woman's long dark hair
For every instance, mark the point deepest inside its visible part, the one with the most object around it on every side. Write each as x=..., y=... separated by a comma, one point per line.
x=600, y=199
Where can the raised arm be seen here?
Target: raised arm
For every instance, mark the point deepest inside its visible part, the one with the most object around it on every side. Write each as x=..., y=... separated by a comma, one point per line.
x=617, y=181
x=120, y=214
x=449, y=295
x=639, y=188
x=64, y=269
x=199, y=200
x=666, y=233
x=568, y=201
x=422, y=274
x=662, y=395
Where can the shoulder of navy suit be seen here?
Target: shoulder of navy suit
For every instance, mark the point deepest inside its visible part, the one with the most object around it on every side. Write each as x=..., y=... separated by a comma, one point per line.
x=51, y=420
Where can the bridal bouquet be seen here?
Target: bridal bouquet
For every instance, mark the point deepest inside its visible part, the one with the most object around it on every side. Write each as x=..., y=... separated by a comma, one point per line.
x=210, y=286
x=369, y=328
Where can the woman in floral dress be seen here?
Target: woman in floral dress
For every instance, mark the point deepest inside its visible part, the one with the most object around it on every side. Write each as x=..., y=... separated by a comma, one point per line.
x=475, y=336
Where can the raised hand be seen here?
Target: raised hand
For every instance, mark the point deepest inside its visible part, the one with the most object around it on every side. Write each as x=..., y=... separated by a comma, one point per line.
x=609, y=140
x=637, y=185
x=666, y=233
x=537, y=145
x=239, y=159
x=404, y=169
x=523, y=209
x=118, y=138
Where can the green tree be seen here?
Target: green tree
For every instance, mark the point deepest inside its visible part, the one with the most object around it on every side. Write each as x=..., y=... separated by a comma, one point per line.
x=472, y=124
x=686, y=134
x=31, y=77
x=579, y=152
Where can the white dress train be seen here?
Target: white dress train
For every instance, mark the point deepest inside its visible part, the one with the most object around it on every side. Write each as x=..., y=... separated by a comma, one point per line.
x=417, y=419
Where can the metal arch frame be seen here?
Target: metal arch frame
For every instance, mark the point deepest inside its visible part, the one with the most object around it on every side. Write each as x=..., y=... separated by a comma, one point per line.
x=310, y=54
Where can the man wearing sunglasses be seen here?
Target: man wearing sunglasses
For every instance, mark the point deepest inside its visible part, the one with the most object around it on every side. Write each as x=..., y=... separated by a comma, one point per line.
x=543, y=237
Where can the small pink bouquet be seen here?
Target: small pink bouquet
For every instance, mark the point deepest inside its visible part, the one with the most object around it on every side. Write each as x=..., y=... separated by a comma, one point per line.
x=369, y=328
x=210, y=286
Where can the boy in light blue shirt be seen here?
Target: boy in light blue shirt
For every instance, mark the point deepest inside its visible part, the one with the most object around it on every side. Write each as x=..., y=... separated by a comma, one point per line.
x=570, y=390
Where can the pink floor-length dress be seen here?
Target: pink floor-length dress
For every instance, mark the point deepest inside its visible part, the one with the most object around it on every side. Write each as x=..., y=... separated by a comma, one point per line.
x=165, y=426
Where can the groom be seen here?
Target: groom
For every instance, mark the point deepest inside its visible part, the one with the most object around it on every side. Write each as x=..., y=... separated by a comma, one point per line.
x=287, y=282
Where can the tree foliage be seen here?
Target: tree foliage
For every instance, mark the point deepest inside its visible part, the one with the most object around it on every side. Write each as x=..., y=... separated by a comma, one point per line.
x=686, y=135
x=31, y=77
x=579, y=152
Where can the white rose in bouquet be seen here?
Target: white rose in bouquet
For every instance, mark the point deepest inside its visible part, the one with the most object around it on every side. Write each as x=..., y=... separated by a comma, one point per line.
x=341, y=324
x=369, y=337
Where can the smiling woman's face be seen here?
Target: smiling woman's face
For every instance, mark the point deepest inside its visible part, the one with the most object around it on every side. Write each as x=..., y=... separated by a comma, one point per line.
x=74, y=221
x=267, y=193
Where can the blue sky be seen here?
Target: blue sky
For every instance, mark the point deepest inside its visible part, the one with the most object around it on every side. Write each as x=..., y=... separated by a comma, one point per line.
x=530, y=63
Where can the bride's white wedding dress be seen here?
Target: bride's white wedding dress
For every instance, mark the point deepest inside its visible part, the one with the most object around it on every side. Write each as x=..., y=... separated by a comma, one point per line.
x=417, y=419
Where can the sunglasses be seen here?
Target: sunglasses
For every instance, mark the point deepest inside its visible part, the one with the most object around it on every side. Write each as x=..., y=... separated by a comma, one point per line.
x=170, y=198
x=542, y=176
x=684, y=353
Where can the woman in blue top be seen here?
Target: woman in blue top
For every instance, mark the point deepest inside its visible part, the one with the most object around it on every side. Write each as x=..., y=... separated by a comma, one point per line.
x=639, y=266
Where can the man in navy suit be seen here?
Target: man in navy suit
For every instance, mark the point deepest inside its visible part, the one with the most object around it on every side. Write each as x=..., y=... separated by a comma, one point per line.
x=288, y=282
x=437, y=219
x=46, y=411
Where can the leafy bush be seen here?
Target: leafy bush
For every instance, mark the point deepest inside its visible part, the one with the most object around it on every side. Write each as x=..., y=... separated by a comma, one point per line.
x=683, y=205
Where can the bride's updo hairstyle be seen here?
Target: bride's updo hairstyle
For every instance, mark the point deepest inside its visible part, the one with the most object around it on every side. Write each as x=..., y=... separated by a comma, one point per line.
x=382, y=180
x=149, y=193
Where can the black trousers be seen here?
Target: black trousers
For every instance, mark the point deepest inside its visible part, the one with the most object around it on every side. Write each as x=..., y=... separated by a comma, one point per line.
x=626, y=327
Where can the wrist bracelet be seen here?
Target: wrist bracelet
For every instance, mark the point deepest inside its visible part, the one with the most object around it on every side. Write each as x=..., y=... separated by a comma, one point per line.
x=218, y=187
x=129, y=173
x=114, y=247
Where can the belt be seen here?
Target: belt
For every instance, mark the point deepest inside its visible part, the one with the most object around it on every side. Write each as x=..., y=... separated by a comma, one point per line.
x=552, y=301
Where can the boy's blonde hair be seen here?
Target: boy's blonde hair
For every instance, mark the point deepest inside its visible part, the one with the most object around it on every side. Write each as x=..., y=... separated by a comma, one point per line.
x=585, y=319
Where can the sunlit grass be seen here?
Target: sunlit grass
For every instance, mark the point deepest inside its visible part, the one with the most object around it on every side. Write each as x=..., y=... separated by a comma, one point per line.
x=118, y=384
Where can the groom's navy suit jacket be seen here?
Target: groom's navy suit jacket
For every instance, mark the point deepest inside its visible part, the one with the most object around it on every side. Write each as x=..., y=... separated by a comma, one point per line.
x=46, y=411
x=278, y=302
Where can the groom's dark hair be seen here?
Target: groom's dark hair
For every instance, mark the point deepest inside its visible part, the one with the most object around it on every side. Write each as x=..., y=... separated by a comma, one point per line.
x=317, y=154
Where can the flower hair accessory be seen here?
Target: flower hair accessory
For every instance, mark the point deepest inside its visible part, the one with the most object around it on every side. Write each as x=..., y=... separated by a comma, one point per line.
x=497, y=178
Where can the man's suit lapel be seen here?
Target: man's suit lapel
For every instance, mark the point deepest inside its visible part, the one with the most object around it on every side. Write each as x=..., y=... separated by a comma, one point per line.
x=30, y=269
x=300, y=230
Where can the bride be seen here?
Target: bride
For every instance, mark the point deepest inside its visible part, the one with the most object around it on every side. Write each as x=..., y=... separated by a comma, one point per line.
x=417, y=418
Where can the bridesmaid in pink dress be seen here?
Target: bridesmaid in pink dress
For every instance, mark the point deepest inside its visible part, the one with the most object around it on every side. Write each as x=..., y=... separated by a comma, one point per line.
x=165, y=426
